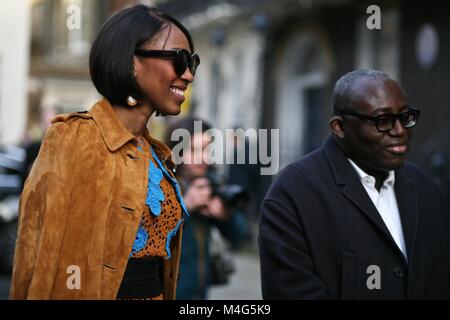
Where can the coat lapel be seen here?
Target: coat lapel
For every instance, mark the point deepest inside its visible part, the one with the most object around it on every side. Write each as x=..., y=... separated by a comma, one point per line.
x=407, y=195
x=353, y=190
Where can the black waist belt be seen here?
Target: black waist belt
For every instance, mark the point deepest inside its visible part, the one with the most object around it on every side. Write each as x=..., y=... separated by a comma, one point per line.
x=141, y=279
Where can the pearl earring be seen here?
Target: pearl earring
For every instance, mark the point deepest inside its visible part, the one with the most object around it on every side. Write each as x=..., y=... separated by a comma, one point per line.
x=131, y=101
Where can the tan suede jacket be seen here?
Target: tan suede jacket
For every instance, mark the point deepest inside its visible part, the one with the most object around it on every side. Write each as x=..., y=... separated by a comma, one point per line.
x=81, y=207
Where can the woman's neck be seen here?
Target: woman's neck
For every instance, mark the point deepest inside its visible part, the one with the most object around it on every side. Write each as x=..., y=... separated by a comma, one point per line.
x=134, y=119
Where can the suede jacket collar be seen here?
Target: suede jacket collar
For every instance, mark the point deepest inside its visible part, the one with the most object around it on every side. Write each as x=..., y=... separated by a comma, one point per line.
x=116, y=135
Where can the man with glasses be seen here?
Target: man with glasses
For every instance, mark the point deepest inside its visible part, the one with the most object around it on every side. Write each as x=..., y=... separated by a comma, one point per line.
x=353, y=220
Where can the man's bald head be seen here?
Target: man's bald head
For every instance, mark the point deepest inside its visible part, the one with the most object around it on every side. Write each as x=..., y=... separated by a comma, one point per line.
x=363, y=95
x=345, y=91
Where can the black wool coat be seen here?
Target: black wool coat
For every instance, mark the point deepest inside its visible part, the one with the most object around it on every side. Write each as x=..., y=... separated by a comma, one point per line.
x=321, y=237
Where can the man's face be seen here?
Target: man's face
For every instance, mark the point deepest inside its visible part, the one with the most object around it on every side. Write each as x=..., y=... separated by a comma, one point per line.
x=372, y=150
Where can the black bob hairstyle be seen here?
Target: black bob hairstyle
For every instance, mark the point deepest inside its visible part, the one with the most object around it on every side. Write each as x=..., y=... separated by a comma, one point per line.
x=112, y=52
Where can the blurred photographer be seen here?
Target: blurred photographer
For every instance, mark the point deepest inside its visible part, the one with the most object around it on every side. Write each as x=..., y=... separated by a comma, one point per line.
x=211, y=205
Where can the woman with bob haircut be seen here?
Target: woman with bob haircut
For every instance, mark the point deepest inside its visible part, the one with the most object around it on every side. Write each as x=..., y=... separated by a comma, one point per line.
x=101, y=211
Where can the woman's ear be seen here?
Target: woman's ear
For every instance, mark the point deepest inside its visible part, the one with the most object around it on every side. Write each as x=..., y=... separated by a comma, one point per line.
x=336, y=125
x=136, y=66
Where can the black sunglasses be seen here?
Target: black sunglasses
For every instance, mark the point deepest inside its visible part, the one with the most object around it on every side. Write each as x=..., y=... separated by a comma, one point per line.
x=182, y=59
x=386, y=122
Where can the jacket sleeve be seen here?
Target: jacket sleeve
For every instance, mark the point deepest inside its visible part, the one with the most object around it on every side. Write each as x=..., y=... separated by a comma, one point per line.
x=234, y=229
x=447, y=245
x=287, y=270
x=42, y=213
x=444, y=200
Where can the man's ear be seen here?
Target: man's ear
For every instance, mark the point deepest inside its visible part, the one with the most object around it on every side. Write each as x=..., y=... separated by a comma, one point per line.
x=336, y=126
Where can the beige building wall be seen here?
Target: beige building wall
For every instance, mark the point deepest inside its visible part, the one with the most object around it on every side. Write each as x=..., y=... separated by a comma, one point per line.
x=14, y=65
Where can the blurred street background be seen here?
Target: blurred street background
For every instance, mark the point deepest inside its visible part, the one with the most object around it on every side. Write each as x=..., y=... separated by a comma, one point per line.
x=264, y=64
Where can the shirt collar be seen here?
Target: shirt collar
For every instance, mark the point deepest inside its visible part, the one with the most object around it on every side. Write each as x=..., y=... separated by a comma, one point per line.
x=368, y=179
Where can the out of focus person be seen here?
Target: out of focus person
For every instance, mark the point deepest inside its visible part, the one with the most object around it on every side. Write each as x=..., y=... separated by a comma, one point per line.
x=101, y=210
x=210, y=206
x=247, y=175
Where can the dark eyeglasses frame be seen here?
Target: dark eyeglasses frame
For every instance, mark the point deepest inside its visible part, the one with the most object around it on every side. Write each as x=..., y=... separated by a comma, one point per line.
x=180, y=62
x=392, y=117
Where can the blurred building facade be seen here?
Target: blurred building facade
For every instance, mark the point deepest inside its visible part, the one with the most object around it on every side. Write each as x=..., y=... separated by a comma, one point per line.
x=61, y=36
x=273, y=64
x=264, y=64
x=14, y=63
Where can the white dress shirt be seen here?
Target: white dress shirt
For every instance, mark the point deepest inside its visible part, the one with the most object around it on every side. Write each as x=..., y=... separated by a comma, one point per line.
x=386, y=203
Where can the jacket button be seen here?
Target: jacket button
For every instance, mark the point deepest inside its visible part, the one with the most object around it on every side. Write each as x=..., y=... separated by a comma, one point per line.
x=398, y=272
